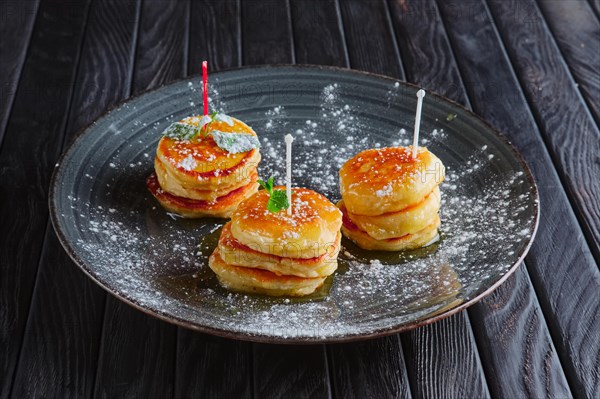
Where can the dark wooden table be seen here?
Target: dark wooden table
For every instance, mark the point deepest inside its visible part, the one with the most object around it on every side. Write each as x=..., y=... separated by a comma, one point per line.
x=530, y=68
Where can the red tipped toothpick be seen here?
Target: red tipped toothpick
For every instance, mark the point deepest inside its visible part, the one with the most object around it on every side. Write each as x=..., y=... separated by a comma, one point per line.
x=205, y=86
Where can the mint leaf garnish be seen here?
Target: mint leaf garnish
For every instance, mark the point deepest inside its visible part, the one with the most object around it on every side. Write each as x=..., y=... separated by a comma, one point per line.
x=278, y=201
x=277, y=198
x=223, y=118
x=230, y=142
x=268, y=185
x=207, y=120
x=235, y=142
x=181, y=131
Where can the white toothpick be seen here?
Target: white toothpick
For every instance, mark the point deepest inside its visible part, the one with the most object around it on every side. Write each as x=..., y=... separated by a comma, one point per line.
x=288, y=171
x=420, y=95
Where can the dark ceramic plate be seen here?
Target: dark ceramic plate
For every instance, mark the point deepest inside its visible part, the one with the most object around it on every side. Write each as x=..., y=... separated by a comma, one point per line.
x=116, y=232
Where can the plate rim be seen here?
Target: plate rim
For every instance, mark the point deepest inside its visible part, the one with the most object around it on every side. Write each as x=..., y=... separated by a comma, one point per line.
x=264, y=338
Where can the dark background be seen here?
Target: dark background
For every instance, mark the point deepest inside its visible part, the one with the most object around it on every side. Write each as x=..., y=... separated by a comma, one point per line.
x=530, y=68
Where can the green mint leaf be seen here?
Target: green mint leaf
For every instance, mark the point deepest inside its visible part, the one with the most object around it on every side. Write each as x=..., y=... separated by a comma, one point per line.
x=451, y=117
x=224, y=118
x=277, y=198
x=278, y=201
x=265, y=186
x=235, y=142
x=181, y=131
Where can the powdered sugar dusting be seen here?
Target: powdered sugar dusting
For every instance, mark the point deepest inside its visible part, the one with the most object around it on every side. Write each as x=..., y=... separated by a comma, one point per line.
x=133, y=246
x=188, y=163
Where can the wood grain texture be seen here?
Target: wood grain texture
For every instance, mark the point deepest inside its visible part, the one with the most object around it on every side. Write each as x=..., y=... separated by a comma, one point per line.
x=580, y=46
x=284, y=371
x=596, y=6
x=318, y=32
x=60, y=347
x=137, y=355
x=427, y=42
x=212, y=367
x=162, y=51
x=26, y=165
x=207, y=366
x=558, y=107
x=513, y=311
x=17, y=18
x=419, y=43
x=369, y=369
x=371, y=43
x=560, y=263
x=441, y=358
x=356, y=372
x=274, y=45
x=383, y=36
x=105, y=76
x=215, y=35
x=425, y=49
x=280, y=371
x=63, y=363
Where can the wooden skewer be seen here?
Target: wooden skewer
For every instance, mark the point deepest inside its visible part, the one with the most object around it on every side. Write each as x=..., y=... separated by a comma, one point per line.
x=420, y=95
x=288, y=172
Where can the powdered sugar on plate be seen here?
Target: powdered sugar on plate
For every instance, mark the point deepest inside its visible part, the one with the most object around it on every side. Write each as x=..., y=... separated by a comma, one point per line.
x=131, y=245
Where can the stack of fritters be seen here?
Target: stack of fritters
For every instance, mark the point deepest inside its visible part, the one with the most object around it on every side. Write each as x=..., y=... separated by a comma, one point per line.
x=274, y=253
x=196, y=178
x=390, y=201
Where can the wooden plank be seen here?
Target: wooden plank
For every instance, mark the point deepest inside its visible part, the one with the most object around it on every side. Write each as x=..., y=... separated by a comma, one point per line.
x=58, y=358
x=511, y=330
x=374, y=368
x=369, y=369
x=161, y=55
x=61, y=343
x=429, y=44
x=137, y=355
x=377, y=46
x=215, y=35
x=425, y=49
x=596, y=6
x=26, y=160
x=441, y=359
x=318, y=32
x=274, y=45
x=209, y=366
x=579, y=46
x=282, y=371
x=424, y=45
x=560, y=260
x=105, y=76
x=562, y=118
x=15, y=32
x=212, y=367
x=442, y=363
x=369, y=36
